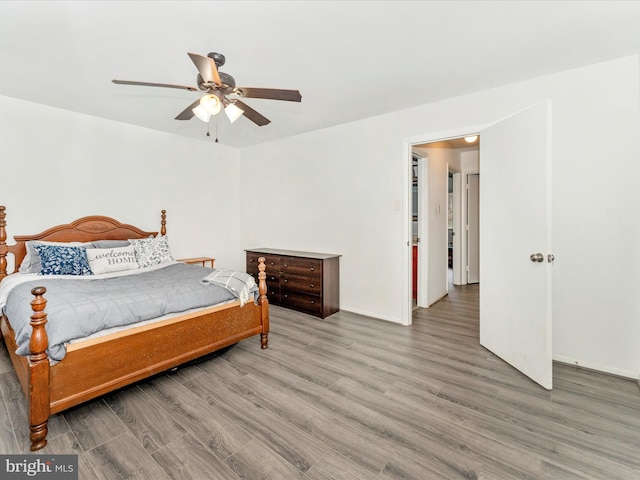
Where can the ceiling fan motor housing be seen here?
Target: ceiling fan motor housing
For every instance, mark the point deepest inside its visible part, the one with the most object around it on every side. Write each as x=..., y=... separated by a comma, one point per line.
x=228, y=82
x=218, y=58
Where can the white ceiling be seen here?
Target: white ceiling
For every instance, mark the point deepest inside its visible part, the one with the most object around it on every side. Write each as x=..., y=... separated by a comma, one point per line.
x=349, y=59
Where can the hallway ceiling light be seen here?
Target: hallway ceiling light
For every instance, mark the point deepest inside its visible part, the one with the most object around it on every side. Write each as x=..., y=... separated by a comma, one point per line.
x=471, y=138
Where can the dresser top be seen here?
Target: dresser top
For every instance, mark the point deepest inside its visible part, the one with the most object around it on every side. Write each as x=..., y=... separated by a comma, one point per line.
x=292, y=253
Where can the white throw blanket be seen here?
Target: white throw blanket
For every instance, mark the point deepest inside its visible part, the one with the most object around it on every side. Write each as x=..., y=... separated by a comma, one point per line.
x=238, y=283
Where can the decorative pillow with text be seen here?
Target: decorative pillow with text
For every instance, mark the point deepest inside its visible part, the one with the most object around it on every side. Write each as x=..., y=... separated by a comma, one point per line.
x=104, y=260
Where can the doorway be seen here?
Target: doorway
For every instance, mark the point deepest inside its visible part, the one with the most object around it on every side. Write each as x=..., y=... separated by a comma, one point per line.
x=441, y=220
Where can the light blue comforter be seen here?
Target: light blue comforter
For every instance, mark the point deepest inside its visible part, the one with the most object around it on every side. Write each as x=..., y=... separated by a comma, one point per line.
x=77, y=308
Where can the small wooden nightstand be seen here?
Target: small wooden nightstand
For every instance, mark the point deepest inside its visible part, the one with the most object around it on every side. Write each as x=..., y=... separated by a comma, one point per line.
x=201, y=260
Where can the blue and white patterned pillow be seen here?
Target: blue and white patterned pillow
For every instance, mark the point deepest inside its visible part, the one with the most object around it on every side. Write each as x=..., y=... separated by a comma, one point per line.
x=59, y=260
x=31, y=261
x=152, y=251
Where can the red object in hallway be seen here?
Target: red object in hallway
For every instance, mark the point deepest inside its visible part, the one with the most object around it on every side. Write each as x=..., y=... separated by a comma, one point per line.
x=415, y=272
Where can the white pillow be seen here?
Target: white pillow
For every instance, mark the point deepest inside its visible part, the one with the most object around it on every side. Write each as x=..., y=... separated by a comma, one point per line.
x=103, y=260
x=152, y=251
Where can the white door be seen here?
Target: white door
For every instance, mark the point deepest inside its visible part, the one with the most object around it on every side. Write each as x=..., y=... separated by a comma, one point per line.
x=473, y=228
x=515, y=241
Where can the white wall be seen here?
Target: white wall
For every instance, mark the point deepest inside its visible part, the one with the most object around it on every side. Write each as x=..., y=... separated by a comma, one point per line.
x=58, y=166
x=335, y=191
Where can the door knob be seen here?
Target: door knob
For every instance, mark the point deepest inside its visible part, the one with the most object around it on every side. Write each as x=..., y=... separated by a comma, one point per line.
x=536, y=257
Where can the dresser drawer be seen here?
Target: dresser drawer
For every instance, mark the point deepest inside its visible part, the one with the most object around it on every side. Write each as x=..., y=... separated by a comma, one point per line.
x=301, y=301
x=308, y=267
x=271, y=262
x=311, y=285
x=273, y=284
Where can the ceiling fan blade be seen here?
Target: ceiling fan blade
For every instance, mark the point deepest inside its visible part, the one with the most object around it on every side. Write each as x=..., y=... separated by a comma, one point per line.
x=207, y=68
x=269, y=93
x=251, y=114
x=187, y=113
x=148, y=84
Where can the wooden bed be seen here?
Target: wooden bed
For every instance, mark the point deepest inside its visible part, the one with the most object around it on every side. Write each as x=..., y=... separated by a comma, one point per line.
x=100, y=365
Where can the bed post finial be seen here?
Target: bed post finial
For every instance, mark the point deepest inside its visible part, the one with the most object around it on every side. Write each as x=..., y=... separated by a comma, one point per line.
x=3, y=242
x=264, y=302
x=163, y=222
x=39, y=407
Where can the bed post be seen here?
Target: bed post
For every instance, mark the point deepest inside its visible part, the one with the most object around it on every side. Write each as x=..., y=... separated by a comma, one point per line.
x=3, y=243
x=264, y=302
x=163, y=222
x=39, y=406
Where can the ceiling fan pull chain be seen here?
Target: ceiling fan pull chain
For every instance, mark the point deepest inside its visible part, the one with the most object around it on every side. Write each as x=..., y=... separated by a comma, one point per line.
x=208, y=134
x=216, y=129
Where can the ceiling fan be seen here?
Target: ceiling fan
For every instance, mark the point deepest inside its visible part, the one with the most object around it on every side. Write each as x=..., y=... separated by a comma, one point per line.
x=217, y=86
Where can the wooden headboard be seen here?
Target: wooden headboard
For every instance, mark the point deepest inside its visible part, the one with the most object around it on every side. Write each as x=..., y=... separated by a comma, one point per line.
x=85, y=229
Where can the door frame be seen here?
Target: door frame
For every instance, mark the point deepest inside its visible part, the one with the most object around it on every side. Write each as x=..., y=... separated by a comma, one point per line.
x=472, y=230
x=407, y=214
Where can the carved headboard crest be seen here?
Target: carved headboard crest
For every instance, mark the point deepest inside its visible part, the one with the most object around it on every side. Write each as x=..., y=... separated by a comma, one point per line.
x=95, y=227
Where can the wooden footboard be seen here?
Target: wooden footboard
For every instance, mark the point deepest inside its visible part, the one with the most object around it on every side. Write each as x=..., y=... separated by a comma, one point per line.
x=98, y=366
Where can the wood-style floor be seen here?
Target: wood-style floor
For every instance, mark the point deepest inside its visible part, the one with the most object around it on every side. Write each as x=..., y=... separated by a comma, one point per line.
x=350, y=397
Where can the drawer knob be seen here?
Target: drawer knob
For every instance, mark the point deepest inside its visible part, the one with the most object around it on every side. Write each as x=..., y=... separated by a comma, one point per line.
x=311, y=268
x=312, y=285
x=313, y=301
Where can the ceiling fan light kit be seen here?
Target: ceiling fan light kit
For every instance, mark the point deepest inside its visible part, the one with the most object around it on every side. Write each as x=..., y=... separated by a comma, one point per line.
x=211, y=104
x=201, y=113
x=233, y=112
x=217, y=86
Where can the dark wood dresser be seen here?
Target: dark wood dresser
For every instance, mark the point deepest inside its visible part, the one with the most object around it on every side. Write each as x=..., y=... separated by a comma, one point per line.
x=304, y=281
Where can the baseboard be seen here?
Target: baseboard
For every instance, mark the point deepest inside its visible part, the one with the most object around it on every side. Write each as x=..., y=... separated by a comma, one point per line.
x=598, y=368
x=375, y=316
